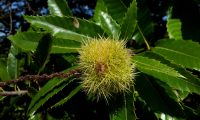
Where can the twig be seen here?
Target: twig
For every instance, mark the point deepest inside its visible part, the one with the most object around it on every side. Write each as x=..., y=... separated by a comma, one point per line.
x=11, y=93
x=40, y=78
x=29, y=8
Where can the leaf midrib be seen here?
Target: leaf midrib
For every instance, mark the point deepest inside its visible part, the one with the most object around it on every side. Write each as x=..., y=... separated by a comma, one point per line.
x=178, y=52
x=56, y=46
x=58, y=28
x=173, y=76
x=154, y=68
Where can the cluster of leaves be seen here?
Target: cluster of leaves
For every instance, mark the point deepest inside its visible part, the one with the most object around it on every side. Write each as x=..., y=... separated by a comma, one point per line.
x=167, y=69
x=11, y=18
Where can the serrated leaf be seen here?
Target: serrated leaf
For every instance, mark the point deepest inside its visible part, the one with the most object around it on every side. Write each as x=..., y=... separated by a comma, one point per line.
x=146, y=112
x=4, y=75
x=117, y=8
x=129, y=21
x=153, y=93
x=187, y=74
x=171, y=93
x=144, y=21
x=43, y=51
x=174, y=29
x=166, y=74
x=147, y=64
x=100, y=6
x=162, y=116
x=65, y=46
x=28, y=41
x=127, y=111
x=68, y=97
x=66, y=27
x=2, y=98
x=72, y=59
x=185, y=53
x=45, y=89
x=32, y=91
x=109, y=25
x=59, y=8
x=45, y=93
x=189, y=18
x=13, y=62
x=192, y=113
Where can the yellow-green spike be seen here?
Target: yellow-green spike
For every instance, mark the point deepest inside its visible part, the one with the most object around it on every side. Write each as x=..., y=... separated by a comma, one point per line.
x=107, y=67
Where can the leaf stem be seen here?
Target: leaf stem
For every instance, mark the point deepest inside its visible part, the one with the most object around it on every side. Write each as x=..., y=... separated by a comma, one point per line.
x=145, y=41
x=139, y=50
x=9, y=93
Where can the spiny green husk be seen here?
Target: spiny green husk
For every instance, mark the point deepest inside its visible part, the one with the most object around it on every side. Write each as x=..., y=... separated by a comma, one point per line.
x=106, y=66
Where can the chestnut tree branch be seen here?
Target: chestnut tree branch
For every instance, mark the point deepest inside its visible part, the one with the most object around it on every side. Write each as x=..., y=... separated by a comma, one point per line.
x=40, y=78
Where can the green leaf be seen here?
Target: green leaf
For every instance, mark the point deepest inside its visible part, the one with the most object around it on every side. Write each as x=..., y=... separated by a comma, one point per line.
x=185, y=53
x=189, y=18
x=174, y=29
x=32, y=91
x=129, y=21
x=50, y=89
x=13, y=63
x=162, y=116
x=171, y=93
x=2, y=97
x=66, y=27
x=65, y=46
x=144, y=21
x=4, y=75
x=151, y=65
x=187, y=75
x=157, y=96
x=100, y=7
x=28, y=41
x=117, y=8
x=145, y=113
x=59, y=8
x=192, y=113
x=45, y=89
x=43, y=51
x=70, y=58
x=166, y=74
x=109, y=25
x=127, y=111
x=68, y=97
